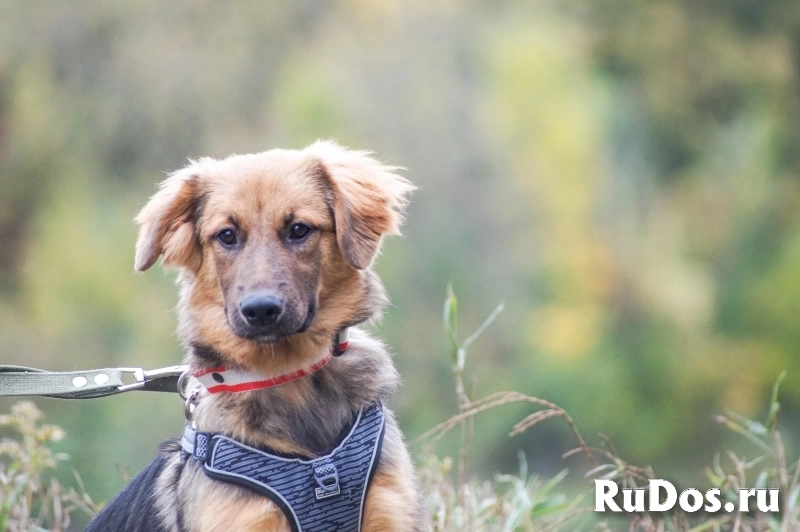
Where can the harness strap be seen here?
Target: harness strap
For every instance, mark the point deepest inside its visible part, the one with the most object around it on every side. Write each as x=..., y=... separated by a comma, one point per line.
x=316, y=495
x=89, y=384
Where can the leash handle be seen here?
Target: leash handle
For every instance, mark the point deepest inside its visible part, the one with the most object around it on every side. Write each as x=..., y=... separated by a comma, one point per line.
x=23, y=381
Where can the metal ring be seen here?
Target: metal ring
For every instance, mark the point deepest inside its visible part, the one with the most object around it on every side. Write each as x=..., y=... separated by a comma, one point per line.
x=191, y=402
x=182, y=384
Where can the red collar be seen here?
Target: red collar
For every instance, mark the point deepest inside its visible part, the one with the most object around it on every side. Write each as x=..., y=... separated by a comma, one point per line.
x=225, y=379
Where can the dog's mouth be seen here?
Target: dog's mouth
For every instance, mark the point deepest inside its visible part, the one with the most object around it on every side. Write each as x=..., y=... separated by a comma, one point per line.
x=271, y=334
x=264, y=338
x=310, y=314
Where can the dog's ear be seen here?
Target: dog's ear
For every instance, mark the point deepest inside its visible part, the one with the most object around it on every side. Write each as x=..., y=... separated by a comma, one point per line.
x=166, y=224
x=368, y=199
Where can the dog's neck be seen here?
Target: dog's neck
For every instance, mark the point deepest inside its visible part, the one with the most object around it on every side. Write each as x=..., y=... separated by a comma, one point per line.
x=303, y=417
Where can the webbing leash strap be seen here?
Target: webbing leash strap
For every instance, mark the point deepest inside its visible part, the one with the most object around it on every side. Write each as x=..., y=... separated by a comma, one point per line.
x=22, y=381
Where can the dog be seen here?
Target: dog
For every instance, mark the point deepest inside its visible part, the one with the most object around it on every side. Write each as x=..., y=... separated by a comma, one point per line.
x=274, y=253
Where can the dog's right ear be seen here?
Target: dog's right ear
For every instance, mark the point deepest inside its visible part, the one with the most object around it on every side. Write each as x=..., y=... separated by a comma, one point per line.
x=166, y=224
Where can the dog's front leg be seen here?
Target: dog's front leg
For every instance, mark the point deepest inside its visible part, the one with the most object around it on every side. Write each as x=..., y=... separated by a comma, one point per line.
x=392, y=504
x=394, y=501
x=254, y=515
x=206, y=505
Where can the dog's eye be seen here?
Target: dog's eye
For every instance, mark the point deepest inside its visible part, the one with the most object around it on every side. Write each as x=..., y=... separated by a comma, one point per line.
x=299, y=231
x=227, y=237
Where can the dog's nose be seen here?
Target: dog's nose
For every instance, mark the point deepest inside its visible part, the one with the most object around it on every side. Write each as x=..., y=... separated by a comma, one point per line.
x=261, y=308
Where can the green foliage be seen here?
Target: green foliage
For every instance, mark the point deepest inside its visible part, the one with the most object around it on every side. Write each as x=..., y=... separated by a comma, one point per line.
x=526, y=501
x=32, y=499
x=510, y=502
x=771, y=468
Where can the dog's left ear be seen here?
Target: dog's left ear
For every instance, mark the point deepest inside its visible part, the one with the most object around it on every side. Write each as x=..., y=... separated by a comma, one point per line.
x=167, y=224
x=369, y=199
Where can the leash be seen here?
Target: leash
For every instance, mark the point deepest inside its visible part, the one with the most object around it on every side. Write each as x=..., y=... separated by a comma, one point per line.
x=90, y=384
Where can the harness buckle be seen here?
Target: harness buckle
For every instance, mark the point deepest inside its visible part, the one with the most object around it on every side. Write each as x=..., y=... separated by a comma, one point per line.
x=327, y=478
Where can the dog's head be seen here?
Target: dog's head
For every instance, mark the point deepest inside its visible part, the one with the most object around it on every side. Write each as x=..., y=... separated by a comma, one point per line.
x=274, y=248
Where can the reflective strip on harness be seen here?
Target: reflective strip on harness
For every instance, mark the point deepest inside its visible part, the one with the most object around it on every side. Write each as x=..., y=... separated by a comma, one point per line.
x=323, y=494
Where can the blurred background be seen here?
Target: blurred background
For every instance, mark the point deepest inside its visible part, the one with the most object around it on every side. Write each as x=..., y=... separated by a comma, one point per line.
x=623, y=174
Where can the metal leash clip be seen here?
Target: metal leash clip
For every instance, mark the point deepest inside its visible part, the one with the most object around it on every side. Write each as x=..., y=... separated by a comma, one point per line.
x=143, y=378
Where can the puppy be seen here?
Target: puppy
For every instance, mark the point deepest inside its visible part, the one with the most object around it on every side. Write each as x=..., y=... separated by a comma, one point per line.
x=274, y=253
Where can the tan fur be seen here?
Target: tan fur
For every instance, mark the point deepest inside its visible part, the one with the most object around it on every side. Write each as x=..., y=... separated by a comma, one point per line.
x=351, y=200
x=223, y=510
x=390, y=503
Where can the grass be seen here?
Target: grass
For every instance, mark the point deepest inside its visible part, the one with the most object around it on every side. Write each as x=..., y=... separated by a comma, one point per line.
x=33, y=500
x=526, y=501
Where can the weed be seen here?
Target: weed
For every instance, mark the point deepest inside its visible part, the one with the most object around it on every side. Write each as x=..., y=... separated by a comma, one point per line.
x=32, y=499
x=525, y=501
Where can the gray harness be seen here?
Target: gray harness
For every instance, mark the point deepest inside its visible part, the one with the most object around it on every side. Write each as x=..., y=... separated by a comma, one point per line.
x=319, y=495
